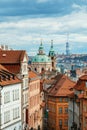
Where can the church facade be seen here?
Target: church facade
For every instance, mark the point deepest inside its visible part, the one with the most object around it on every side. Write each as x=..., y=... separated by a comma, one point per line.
x=42, y=62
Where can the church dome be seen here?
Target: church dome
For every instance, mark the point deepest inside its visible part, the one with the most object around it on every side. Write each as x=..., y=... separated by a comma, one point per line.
x=41, y=58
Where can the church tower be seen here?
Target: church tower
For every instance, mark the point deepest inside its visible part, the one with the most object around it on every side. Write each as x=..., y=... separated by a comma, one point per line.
x=53, y=56
x=41, y=49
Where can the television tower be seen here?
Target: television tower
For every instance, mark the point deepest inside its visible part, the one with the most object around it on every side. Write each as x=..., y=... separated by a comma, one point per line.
x=67, y=46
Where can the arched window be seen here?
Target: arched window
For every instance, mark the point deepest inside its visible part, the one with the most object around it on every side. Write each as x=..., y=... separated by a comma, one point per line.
x=35, y=69
x=42, y=69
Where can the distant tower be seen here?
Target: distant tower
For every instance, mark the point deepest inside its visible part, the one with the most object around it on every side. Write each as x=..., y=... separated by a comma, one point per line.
x=67, y=46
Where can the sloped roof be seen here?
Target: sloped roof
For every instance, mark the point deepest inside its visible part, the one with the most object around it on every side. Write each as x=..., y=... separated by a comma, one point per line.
x=80, y=85
x=83, y=77
x=11, y=56
x=7, y=78
x=62, y=87
x=33, y=75
x=14, y=68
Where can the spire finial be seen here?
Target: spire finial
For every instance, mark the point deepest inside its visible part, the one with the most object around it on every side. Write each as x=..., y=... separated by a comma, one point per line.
x=41, y=41
x=67, y=37
x=51, y=43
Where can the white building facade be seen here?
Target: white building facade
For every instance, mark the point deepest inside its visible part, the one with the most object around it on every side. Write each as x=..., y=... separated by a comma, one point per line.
x=10, y=99
x=11, y=107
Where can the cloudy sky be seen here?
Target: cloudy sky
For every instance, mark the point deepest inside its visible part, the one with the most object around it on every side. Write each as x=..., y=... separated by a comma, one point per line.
x=23, y=23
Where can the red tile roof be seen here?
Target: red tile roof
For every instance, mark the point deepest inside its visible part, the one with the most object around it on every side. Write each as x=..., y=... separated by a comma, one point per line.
x=11, y=56
x=80, y=85
x=83, y=77
x=32, y=74
x=14, y=68
x=7, y=78
x=62, y=87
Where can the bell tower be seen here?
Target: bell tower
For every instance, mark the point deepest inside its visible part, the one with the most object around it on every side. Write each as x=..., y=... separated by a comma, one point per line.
x=53, y=56
x=41, y=49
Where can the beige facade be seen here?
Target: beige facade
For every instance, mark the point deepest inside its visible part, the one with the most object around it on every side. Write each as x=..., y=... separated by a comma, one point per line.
x=35, y=111
x=39, y=67
x=42, y=62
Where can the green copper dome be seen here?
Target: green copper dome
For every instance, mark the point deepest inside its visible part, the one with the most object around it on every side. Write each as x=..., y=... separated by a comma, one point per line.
x=41, y=58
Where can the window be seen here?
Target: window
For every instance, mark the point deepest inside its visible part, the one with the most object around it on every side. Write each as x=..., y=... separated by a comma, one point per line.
x=15, y=94
x=20, y=128
x=16, y=113
x=60, y=122
x=66, y=99
x=66, y=110
x=60, y=110
x=66, y=122
x=6, y=97
x=6, y=116
x=15, y=128
x=25, y=83
x=60, y=99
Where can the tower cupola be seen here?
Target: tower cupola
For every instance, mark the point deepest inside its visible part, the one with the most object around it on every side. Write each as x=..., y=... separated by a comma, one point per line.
x=51, y=52
x=41, y=49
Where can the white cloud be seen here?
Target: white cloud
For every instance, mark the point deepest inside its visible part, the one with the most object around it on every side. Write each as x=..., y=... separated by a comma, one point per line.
x=31, y=30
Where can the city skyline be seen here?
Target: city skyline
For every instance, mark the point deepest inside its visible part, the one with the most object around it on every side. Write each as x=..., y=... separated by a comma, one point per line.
x=24, y=23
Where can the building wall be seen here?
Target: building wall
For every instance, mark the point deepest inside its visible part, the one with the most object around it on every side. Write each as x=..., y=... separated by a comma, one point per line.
x=84, y=126
x=39, y=66
x=74, y=113
x=11, y=107
x=55, y=116
x=35, y=113
x=24, y=77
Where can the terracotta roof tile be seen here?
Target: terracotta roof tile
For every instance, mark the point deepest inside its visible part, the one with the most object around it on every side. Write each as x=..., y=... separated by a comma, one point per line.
x=9, y=82
x=32, y=74
x=62, y=87
x=14, y=68
x=11, y=56
x=80, y=85
x=7, y=78
x=83, y=77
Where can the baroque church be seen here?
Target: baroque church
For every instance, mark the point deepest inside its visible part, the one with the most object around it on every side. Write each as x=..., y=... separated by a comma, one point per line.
x=42, y=62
